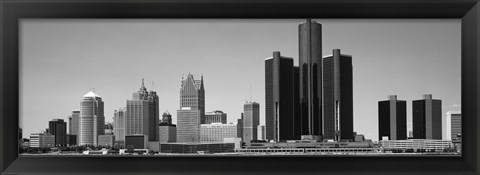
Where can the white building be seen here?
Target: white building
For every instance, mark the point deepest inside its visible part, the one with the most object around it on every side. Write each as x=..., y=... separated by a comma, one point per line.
x=217, y=132
x=91, y=121
x=40, y=140
x=453, y=125
x=416, y=144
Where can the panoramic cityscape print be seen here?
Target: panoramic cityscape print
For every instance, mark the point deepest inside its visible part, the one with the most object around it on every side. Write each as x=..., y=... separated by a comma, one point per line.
x=240, y=87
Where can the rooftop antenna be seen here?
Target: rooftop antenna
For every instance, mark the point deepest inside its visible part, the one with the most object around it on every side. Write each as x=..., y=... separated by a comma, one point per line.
x=92, y=89
x=153, y=84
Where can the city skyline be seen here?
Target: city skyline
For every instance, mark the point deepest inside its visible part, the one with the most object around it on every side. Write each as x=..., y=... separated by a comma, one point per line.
x=214, y=85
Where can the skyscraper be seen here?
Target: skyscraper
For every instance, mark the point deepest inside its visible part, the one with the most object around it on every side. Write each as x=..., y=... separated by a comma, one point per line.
x=92, y=119
x=142, y=114
x=73, y=122
x=192, y=109
x=58, y=128
x=251, y=119
x=192, y=94
x=279, y=98
x=119, y=123
x=392, y=119
x=296, y=103
x=188, y=125
x=310, y=77
x=453, y=125
x=337, y=96
x=427, y=118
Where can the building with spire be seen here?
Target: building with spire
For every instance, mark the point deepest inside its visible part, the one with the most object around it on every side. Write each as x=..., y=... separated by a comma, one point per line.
x=92, y=120
x=142, y=114
x=192, y=109
x=192, y=95
x=310, y=77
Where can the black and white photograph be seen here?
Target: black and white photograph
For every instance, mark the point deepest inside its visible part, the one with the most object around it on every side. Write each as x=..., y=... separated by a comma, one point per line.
x=240, y=87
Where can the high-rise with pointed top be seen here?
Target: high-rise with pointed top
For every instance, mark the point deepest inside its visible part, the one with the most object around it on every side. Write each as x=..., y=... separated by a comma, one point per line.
x=142, y=114
x=192, y=109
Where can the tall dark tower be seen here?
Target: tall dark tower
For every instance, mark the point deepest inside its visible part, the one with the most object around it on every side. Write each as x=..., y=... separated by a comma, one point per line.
x=58, y=128
x=337, y=96
x=279, y=98
x=427, y=118
x=392, y=119
x=310, y=80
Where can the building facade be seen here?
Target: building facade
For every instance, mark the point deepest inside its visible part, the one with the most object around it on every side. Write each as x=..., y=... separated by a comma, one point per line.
x=92, y=120
x=106, y=140
x=427, y=144
x=40, y=140
x=188, y=125
x=119, y=122
x=392, y=119
x=453, y=125
x=251, y=119
x=192, y=95
x=337, y=97
x=136, y=141
x=216, y=116
x=142, y=115
x=216, y=132
x=73, y=122
x=279, y=98
x=310, y=77
x=71, y=140
x=240, y=127
x=58, y=128
x=109, y=129
x=427, y=118
x=168, y=133
x=261, y=131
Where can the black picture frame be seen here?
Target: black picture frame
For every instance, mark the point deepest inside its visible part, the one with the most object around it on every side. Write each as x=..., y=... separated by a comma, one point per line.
x=13, y=10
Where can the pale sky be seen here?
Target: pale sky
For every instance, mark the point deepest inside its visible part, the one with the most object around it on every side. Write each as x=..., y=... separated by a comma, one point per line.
x=62, y=59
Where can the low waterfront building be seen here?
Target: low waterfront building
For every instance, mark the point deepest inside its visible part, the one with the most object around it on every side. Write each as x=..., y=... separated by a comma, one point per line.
x=192, y=148
x=107, y=140
x=216, y=132
x=43, y=139
x=427, y=144
x=136, y=141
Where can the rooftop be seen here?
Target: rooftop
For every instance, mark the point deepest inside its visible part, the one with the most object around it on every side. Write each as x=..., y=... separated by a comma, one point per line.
x=91, y=94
